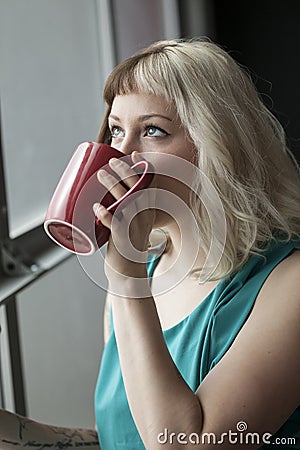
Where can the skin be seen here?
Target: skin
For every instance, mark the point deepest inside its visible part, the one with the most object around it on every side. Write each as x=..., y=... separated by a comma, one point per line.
x=258, y=384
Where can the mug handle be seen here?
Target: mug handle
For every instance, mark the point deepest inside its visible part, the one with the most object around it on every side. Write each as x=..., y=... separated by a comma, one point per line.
x=143, y=182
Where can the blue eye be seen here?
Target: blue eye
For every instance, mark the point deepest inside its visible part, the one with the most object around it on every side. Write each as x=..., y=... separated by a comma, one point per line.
x=153, y=131
x=116, y=132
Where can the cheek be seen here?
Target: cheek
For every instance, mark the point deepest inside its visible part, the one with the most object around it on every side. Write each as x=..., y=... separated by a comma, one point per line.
x=167, y=184
x=175, y=166
x=188, y=152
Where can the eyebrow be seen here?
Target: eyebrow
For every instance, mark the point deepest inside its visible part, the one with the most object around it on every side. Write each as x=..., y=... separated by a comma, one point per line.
x=143, y=118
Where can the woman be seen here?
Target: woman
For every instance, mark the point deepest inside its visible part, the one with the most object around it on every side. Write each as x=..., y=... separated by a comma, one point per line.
x=224, y=354
x=187, y=363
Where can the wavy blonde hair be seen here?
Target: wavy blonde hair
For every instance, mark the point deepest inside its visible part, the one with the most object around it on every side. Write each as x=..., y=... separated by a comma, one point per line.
x=241, y=146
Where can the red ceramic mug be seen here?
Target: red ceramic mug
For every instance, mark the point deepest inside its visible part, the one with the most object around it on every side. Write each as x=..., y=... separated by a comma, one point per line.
x=70, y=221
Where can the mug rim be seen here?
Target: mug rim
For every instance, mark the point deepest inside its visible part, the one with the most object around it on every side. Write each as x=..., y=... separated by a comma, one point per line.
x=48, y=222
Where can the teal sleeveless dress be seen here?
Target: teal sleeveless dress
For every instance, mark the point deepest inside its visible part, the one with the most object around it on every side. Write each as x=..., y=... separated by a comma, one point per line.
x=196, y=344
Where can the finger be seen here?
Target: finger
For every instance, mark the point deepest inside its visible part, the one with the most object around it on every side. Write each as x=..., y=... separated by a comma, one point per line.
x=136, y=157
x=111, y=184
x=102, y=214
x=127, y=175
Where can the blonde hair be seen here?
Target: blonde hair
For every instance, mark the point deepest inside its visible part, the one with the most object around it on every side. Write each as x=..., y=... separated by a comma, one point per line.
x=241, y=146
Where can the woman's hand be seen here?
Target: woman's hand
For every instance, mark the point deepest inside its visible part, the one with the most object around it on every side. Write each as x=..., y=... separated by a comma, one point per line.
x=131, y=223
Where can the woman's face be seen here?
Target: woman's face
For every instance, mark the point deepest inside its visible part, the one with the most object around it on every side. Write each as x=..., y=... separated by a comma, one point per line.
x=148, y=124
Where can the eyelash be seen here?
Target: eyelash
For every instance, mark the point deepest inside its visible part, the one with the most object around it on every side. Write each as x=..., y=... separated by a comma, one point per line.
x=114, y=127
x=146, y=129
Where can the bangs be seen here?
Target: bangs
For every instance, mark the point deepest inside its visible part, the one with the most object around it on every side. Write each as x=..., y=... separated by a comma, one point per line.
x=139, y=75
x=146, y=73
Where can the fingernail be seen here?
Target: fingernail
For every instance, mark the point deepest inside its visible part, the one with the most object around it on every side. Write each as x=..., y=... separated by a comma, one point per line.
x=96, y=208
x=136, y=155
x=114, y=161
x=102, y=173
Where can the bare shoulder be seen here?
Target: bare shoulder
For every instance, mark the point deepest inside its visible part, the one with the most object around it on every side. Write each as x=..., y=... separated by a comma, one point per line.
x=283, y=284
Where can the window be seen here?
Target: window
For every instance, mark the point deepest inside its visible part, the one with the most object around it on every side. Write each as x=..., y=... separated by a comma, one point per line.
x=54, y=57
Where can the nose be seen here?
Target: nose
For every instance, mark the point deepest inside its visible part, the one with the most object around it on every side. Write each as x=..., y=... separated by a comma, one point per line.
x=128, y=145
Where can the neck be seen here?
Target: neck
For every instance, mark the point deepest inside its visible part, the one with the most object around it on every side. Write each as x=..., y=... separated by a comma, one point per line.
x=183, y=245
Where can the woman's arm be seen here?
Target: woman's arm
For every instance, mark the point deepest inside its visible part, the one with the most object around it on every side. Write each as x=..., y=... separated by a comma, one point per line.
x=157, y=395
x=17, y=432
